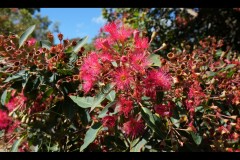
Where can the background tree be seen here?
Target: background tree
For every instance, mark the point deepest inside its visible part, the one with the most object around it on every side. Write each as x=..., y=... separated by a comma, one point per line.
x=175, y=26
x=16, y=20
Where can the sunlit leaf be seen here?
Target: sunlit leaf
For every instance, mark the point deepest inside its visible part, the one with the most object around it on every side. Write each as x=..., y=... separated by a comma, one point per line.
x=91, y=135
x=139, y=146
x=45, y=44
x=80, y=44
x=105, y=110
x=16, y=145
x=155, y=59
x=25, y=35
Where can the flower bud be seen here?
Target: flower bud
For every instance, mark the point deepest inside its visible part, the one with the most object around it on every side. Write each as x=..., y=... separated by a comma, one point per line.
x=60, y=36
x=123, y=59
x=136, y=34
x=50, y=37
x=105, y=43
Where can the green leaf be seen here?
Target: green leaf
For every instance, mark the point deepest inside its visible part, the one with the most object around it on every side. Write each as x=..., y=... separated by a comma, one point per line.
x=16, y=144
x=69, y=50
x=134, y=142
x=199, y=109
x=197, y=139
x=46, y=44
x=5, y=97
x=175, y=121
x=211, y=73
x=84, y=102
x=218, y=53
x=87, y=102
x=111, y=96
x=114, y=64
x=54, y=148
x=80, y=44
x=48, y=93
x=85, y=117
x=151, y=120
x=14, y=77
x=91, y=135
x=73, y=58
x=25, y=35
x=97, y=100
x=53, y=78
x=139, y=146
x=230, y=66
x=105, y=110
x=229, y=75
x=155, y=59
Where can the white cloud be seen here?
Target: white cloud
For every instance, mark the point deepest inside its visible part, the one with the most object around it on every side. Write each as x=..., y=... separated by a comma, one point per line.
x=99, y=20
x=80, y=25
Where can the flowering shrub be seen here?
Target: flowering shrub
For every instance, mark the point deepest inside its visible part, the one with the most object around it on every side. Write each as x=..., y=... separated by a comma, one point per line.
x=120, y=97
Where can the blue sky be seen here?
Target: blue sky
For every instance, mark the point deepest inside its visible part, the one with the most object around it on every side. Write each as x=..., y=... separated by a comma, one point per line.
x=76, y=22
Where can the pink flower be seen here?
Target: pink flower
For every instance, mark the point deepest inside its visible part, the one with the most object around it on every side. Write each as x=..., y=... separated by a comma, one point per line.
x=195, y=93
x=136, y=35
x=125, y=106
x=110, y=28
x=87, y=85
x=160, y=79
x=117, y=31
x=139, y=62
x=90, y=71
x=15, y=125
x=4, y=119
x=106, y=57
x=141, y=43
x=133, y=128
x=31, y=42
x=16, y=101
x=122, y=34
x=102, y=43
x=164, y=109
x=108, y=121
x=91, y=65
x=163, y=79
x=123, y=79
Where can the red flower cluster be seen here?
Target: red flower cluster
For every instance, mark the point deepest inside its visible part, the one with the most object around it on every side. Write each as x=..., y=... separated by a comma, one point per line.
x=122, y=59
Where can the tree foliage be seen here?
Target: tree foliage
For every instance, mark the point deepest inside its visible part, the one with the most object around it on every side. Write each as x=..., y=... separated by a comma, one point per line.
x=175, y=26
x=15, y=20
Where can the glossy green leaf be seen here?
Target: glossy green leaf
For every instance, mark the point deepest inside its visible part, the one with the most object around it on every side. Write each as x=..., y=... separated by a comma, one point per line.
x=16, y=144
x=230, y=66
x=48, y=93
x=175, y=122
x=97, y=100
x=155, y=59
x=196, y=137
x=103, y=113
x=151, y=120
x=111, y=96
x=218, y=53
x=25, y=35
x=84, y=102
x=46, y=44
x=80, y=44
x=4, y=97
x=139, y=146
x=114, y=64
x=14, y=77
x=91, y=135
